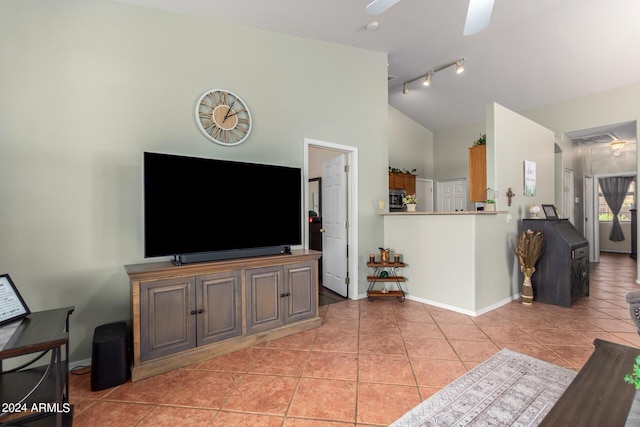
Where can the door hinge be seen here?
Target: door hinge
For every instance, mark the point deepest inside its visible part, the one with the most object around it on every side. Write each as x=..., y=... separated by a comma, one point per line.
x=346, y=281
x=346, y=224
x=346, y=168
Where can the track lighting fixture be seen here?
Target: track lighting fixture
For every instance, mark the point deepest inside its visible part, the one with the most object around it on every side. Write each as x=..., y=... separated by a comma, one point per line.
x=427, y=76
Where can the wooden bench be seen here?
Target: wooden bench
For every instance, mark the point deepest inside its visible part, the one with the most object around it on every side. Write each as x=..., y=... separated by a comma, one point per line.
x=598, y=395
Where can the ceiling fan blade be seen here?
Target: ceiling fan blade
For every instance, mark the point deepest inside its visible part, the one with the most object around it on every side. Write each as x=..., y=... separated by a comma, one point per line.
x=478, y=16
x=376, y=7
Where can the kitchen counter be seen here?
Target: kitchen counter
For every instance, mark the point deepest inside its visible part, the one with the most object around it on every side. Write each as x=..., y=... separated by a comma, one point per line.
x=460, y=261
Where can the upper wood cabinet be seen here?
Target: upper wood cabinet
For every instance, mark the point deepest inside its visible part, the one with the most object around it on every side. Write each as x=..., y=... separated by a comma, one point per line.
x=402, y=181
x=478, y=173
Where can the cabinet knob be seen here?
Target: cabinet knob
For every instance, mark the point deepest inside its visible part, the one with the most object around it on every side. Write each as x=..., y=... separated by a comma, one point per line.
x=285, y=294
x=322, y=230
x=200, y=311
x=192, y=312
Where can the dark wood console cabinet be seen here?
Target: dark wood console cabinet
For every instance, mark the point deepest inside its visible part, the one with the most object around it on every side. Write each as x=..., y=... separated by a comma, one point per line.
x=562, y=272
x=192, y=312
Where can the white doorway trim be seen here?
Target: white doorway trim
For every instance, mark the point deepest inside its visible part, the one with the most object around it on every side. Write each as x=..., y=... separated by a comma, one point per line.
x=567, y=195
x=425, y=198
x=591, y=217
x=352, y=206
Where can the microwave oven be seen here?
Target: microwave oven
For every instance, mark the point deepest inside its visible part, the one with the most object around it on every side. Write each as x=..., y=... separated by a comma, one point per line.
x=395, y=200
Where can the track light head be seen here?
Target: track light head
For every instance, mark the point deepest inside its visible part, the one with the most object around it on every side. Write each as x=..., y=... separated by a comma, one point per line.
x=427, y=79
x=405, y=88
x=459, y=67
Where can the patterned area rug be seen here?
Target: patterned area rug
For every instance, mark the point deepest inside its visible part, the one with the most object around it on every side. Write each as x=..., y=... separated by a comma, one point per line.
x=509, y=389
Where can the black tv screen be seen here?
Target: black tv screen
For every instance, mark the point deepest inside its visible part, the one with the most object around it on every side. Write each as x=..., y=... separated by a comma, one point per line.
x=198, y=209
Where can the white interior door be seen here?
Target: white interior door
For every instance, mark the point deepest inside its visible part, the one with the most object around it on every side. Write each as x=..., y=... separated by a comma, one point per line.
x=424, y=192
x=452, y=195
x=334, y=225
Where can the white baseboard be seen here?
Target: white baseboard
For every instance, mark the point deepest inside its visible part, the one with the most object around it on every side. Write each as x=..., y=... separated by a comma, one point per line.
x=458, y=309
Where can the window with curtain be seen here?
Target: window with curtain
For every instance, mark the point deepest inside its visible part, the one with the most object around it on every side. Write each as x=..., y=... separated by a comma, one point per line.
x=604, y=212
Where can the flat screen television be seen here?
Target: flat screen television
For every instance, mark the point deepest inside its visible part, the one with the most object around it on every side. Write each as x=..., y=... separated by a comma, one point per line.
x=198, y=209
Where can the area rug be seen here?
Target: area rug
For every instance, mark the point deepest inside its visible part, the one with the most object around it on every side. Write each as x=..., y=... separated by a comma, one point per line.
x=508, y=389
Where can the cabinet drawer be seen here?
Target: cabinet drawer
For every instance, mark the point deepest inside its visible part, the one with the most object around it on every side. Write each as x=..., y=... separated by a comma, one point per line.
x=581, y=252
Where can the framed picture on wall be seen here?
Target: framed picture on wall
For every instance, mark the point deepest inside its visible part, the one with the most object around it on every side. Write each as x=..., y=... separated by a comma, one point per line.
x=529, y=178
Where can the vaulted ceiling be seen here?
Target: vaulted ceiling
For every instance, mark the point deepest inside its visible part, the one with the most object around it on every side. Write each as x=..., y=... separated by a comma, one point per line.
x=534, y=52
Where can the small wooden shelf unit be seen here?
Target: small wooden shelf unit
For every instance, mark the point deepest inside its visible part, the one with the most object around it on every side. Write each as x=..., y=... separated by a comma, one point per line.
x=392, y=270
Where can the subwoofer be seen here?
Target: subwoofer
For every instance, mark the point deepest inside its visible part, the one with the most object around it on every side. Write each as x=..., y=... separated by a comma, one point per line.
x=110, y=356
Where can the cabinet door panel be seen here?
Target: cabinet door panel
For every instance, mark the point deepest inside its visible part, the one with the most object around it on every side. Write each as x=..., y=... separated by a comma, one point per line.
x=478, y=173
x=300, y=285
x=219, y=307
x=166, y=323
x=264, y=286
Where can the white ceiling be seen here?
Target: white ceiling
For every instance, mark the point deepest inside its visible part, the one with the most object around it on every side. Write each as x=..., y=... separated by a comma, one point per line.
x=534, y=52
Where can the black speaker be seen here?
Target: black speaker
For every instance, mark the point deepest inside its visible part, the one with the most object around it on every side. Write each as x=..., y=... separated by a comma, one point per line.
x=110, y=356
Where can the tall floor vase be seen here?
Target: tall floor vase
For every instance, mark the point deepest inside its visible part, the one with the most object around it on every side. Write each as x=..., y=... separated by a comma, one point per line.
x=527, y=290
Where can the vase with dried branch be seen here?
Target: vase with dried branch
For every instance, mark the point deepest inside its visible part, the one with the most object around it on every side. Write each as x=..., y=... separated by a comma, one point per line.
x=528, y=249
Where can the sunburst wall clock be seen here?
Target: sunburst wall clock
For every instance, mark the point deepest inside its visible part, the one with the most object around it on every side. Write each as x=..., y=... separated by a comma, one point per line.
x=223, y=117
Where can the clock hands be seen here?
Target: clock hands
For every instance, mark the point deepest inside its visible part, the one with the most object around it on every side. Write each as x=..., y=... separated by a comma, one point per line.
x=234, y=113
x=226, y=116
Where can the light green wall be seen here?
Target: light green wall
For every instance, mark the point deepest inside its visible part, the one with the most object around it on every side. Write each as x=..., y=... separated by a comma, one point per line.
x=87, y=86
x=410, y=145
x=512, y=139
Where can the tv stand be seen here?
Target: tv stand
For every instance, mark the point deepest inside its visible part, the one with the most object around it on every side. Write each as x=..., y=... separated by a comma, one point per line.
x=184, y=314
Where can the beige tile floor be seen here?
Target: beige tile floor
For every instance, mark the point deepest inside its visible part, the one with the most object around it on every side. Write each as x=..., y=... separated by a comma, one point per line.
x=367, y=364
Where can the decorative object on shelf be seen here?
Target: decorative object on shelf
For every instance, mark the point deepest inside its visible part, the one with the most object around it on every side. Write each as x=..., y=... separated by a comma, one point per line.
x=408, y=172
x=528, y=250
x=490, y=202
x=372, y=258
x=534, y=210
x=480, y=141
x=384, y=255
x=396, y=258
x=410, y=202
x=384, y=274
x=509, y=195
x=223, y=117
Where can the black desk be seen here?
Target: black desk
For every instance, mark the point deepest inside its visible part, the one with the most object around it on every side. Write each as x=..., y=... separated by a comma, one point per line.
x=36, y=382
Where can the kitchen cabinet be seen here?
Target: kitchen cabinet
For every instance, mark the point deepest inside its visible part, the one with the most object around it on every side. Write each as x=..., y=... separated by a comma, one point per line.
x=478, y=173
x=402, y=181
x=184, y=314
